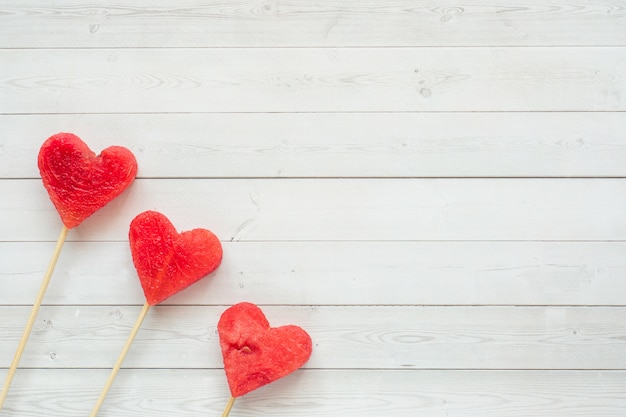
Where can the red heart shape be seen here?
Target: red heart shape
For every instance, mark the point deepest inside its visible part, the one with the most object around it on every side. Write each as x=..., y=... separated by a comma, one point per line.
x=166, y=261
x=78, y=182
x=256, y=354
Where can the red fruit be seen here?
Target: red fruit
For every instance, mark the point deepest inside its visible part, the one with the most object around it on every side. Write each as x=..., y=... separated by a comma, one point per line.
x=166, y=261
x=256, y=354
x=79, y=182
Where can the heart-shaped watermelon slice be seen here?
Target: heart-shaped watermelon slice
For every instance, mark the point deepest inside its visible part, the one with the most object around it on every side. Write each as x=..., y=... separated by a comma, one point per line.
x=167, y=261
x=78, y=182
x=256, y=354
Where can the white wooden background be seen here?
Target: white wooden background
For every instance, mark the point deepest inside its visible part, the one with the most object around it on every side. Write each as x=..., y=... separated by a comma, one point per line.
x=434, y=190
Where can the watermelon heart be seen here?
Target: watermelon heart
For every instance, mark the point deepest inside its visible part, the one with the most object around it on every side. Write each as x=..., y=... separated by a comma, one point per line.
x=78, y=182
x=256, y=354
x=166, y=261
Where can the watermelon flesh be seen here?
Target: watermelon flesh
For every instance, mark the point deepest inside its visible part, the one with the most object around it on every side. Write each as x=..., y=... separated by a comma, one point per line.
x=166, y=261
x=256, y=354
x=80, y=183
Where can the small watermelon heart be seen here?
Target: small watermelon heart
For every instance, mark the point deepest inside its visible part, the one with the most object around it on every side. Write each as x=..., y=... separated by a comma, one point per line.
x=166, y=261
x=256, y=354
x=78, y=182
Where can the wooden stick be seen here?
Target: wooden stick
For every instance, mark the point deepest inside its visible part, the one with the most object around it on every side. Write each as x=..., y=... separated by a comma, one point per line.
x=33, y=315
x=229, y=405
x=120, y=359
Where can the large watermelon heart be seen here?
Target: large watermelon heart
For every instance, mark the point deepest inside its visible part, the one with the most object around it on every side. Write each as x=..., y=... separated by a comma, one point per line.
x=78, y=182
x=256, y=354
x=166, y=261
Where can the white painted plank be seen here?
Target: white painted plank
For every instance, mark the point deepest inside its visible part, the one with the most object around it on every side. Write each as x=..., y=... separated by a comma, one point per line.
x=584, y=144
x=312, y=80
x=336, y=273
x=425, y=296
x=341, y=209
x=319, y=23
x=346, y=393
x=364, y=337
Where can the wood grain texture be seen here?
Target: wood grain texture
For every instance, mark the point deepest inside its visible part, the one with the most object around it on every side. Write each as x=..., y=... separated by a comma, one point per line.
x=341, y=209
x=234, y=145
x=304, y=24
x=336, y=273
x=435, y=192
x=344, y=337
x=312, y=80
x=326, y=392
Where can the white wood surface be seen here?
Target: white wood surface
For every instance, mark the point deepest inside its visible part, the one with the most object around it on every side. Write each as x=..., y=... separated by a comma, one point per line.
x=392, y=337
x=333, y=393
x=272, y=23
x=313, y=79
x=344, y=209
x=435, y=191
x=279, y=145
x=350, y=273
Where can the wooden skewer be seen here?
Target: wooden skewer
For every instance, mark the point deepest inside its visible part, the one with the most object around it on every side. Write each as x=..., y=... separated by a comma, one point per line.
x=33, y=315
x=229, y=405
x=120, y=359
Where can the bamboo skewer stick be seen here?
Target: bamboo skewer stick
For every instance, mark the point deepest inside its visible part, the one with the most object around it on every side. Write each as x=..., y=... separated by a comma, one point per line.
x=120, y=359
x=229, y=405
x=33, y=315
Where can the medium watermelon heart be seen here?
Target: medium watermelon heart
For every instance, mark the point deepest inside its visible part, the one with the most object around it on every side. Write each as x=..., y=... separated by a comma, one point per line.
x=166, y=261
x=256, y=354
x=78, y=182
